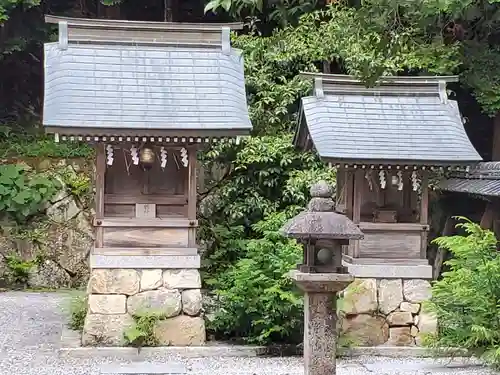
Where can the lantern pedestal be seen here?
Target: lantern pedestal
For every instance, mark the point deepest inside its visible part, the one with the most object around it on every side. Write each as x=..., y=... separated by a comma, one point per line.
x=320, y=318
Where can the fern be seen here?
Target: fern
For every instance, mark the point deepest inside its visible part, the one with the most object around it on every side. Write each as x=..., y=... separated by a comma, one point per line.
x=467, y=299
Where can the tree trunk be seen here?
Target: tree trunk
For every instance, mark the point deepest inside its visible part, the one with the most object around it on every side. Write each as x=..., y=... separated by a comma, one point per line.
x=489, y=216
x=326, y=67
x=168, y=10
x=108, y=11
x=441, y=253
x=495, y=154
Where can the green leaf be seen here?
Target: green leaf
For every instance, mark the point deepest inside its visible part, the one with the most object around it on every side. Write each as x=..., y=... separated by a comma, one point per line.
x=212, y=6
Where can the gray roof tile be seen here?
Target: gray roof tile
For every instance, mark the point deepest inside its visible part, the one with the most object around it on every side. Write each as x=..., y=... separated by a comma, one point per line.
x=471, y=186
x=355, y=127
x=482, y=179
x=144, y=87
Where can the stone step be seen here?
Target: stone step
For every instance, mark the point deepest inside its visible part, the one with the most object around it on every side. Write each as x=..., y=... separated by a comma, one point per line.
x=144, y=368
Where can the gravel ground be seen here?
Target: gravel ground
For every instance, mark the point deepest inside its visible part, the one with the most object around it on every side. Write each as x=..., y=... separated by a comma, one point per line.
x=31, y=325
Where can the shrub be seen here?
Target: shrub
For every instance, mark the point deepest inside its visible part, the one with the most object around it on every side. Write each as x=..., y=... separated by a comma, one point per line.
x=16, y=141
x=18, y=269
x=23, y=194
x=77, y=310
x=141, y=333
x=466, y=300
x=258, y=301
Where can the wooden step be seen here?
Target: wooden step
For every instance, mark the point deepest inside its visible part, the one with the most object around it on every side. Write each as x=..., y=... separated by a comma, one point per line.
x=145, y=251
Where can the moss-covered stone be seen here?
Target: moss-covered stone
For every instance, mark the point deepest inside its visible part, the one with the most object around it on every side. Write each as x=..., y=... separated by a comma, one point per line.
x=360, y=297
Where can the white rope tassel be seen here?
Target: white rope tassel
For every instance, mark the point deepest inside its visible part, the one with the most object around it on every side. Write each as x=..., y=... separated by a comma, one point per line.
x=383, y=181
x=368, y=176
x=414, y=181
x=134, y=152
x=163, y=157
x=109, y=155
x=184, y=157
x=400, y=180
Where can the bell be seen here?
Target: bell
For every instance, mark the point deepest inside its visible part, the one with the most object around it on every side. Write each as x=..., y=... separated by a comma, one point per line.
x=147, y=157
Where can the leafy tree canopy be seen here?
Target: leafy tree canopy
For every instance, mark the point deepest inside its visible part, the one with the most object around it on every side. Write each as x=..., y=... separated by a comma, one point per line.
x=385, y=37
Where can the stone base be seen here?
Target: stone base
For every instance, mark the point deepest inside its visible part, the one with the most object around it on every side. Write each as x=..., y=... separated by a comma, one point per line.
x=117, y=295
x=387, y=312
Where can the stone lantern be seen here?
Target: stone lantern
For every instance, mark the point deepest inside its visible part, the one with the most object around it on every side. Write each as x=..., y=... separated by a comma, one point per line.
x=321, y=276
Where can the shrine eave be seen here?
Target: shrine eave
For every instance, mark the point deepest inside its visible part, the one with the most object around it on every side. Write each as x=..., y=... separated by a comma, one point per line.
x=402, y=122
x=173, y=136
x=479, y=187
x=404, y=165
x=482, y=180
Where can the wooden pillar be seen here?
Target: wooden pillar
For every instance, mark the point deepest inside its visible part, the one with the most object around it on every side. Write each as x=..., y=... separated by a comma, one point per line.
x=424, y=214
x=192, y=194
x=358, y=192
x=349, y=193
x=340, y=196
x=356, y=207
x=100, y=180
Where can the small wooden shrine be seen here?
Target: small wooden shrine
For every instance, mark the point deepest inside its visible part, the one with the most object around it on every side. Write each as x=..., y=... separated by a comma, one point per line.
x=147, y=95
x=385, y=142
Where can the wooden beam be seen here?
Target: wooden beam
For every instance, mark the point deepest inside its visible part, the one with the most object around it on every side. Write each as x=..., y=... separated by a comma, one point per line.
x=148, y=133
x=171, y=200
x=391, y=261
x=118, y=222
x=100, y=180
x=392, y=227
x=192, y=193
x=192, y=183
x=349, y=194
x=145, y=251
x=424, y=213
x=358, y=196
x=125, y=24
x=356, y=208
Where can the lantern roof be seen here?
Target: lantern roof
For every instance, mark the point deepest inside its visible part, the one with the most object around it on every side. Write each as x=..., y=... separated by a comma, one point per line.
x=401, y=120
x=319, y=221
x=114, y=77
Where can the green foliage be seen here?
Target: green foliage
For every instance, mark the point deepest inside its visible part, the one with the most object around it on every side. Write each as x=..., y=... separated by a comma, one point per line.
x=33, y=145
x=280, y=12
x=18, y=269
x=78, y=311
x=142, y=332
x=466, y=300
x=259, y=302
x=8, y=5
x=482, y=73
x=22, y=194
x=78, y=183
x=267, y=175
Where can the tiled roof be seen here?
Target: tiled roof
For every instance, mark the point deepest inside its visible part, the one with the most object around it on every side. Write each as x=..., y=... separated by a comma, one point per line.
x=483, y=179
x=150, y=87
x=473, y=186
x=359, y=124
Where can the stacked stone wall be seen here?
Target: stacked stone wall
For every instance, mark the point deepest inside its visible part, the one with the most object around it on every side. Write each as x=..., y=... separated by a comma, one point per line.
x=116, y=295
x=387, y=312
